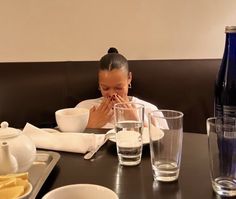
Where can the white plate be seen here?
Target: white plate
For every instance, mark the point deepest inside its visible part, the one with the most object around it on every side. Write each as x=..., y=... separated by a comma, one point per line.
x=76, y=191
x=27, y=192
x=145, y=135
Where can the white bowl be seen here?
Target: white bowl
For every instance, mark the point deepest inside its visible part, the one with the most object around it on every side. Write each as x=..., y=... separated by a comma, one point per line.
x=72, y=119
x=81, y=191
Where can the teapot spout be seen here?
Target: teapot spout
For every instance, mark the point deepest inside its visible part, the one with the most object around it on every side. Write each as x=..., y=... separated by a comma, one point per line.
x=8, y=162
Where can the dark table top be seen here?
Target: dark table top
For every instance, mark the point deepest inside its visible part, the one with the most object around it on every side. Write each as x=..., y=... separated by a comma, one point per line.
x=137, y=182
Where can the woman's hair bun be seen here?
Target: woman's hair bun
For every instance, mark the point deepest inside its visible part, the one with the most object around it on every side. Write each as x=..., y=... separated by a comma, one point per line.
x=112, y=50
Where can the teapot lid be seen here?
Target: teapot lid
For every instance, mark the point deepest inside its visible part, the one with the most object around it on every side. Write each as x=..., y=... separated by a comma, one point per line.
x=7, y=132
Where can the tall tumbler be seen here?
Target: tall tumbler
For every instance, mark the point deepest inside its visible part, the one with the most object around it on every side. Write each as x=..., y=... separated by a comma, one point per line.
x=166, y=136
x=221, y=133
x=129, y=118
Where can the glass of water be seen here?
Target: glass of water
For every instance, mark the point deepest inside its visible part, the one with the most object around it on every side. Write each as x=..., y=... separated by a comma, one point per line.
x=222, y=154
x=166, y=135
x=129, y=118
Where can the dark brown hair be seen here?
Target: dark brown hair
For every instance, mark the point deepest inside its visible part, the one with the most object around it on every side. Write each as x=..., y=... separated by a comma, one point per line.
x=113, y=60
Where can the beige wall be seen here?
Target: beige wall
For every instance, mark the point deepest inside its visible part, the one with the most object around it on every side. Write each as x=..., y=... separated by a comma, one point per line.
x=47, y=30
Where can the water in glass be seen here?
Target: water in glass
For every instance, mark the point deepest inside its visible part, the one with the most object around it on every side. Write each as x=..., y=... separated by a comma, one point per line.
x=129, y=142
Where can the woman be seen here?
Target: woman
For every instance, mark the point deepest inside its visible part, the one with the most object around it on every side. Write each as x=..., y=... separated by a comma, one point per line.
x=114, y=82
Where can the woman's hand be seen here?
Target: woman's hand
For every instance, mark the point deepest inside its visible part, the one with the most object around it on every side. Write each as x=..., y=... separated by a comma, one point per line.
x=118, y=99
x=99, y=116
x=130, y=112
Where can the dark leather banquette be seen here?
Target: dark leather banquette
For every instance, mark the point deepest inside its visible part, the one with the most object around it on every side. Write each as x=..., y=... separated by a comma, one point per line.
x=33, y=91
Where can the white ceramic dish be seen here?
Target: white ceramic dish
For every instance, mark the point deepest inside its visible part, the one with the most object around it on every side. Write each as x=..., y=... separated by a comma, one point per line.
x=27, y=192
x=83, y=191
x=145, y=135
x=72, y=119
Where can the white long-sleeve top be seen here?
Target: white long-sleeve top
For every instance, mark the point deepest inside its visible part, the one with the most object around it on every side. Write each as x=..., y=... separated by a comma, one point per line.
x=148, y=107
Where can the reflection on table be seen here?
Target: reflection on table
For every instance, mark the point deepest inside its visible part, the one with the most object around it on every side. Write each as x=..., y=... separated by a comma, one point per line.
x=137, y=182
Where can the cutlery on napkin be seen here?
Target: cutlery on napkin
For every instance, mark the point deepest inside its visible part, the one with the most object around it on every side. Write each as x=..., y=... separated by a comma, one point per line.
x=91, y=153
x=70, y=142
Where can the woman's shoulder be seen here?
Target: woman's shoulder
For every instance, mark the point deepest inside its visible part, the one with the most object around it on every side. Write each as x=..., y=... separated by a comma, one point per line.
x=89, y=103
x=146, y=104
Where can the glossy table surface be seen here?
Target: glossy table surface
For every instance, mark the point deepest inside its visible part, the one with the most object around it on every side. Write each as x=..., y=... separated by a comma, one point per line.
x=137, y=182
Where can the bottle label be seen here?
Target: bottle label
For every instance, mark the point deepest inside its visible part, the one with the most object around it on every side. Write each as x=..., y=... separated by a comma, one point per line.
x=229, y=111
x=218, y=110
x=229, y=134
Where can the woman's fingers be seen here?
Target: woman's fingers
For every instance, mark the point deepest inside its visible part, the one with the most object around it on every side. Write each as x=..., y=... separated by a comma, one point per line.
x=93, y=109
x=118, y=99
x=99, y=116
x=130, y=109
x=106, y=105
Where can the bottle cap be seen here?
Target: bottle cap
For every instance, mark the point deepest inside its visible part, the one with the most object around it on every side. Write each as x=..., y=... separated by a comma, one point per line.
x=230, y=29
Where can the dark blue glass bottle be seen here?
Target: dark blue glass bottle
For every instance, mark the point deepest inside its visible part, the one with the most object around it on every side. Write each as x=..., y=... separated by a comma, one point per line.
x=225, y=101
x=225, y=87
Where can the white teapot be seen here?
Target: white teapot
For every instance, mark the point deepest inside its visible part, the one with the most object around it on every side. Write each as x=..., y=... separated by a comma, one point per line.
x=17, y=151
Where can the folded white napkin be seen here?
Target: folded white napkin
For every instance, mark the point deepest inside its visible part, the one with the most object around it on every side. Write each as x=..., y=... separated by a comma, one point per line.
x=70, y=142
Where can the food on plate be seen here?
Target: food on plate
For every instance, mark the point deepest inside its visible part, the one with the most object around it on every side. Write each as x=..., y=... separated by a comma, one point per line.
x=7, y=183
x=22, y=182
x=11, y=192
x=24, y=176
x=13, y=185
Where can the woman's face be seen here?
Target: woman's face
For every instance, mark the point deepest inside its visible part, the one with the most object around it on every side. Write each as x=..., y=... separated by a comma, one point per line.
x=113, y=82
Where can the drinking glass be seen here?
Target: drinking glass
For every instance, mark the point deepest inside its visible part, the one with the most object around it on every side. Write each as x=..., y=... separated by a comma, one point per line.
x=221, y=133
x=129, y=118
x=166, y=135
